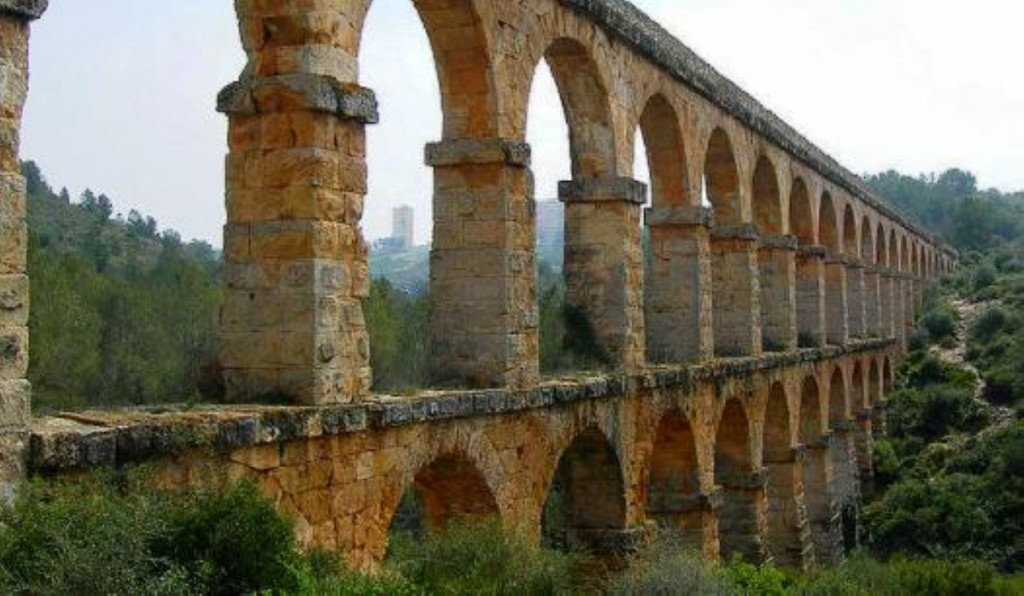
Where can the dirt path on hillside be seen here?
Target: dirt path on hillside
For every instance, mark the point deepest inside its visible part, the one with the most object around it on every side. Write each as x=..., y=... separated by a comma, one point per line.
x=956, y=355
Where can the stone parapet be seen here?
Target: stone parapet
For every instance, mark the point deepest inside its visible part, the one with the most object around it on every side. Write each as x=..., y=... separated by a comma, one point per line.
x=90, y=439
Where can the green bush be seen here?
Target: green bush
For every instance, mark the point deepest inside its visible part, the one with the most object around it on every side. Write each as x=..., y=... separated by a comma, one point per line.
x=940, y=324
x=666, y=567
x=85, y=538
x=231, y=543
x=482, y=558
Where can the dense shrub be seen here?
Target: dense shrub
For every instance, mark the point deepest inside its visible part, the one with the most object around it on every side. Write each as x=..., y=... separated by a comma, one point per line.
x=481, y=559
x=940, y=324
x=102, y=537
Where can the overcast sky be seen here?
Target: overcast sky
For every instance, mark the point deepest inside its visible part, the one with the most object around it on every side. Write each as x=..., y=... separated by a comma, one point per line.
x=122, y=94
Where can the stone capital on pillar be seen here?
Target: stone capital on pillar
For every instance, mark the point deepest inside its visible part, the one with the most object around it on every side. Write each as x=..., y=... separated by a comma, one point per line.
x=684, y=216
x=477, y=152
x=28, y=10
x=613, y=189
x=299, y=92
x=783, y=243
x=740, y=233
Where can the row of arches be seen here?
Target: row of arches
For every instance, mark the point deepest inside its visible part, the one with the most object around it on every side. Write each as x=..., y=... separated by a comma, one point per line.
x=729, y=211
x=768, y=482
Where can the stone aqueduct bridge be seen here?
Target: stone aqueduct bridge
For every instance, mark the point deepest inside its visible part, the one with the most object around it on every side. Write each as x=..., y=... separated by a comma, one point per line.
x=752, y=356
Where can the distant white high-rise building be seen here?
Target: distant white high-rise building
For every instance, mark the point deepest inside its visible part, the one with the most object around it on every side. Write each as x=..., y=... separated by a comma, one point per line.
x=403, y=221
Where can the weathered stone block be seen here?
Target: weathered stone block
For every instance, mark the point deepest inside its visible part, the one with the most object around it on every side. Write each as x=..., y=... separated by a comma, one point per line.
x=14, y=300
x=15, y=404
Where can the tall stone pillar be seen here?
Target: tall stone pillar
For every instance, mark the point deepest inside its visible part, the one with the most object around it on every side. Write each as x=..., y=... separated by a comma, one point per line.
x=856, y=307
x=872, y=302
x=484, y=320
x=736, y=300
x=899, y=301
x=886, y=284
x=604, y=263
x=788, y=532
x=836, y=301
x=679, y=288
x=742, y=518
x=777, y=258
x=810, y=296
x=844, y=485
x=15, y=391
x=822, y=514
x=865, y=445
x=295, y=270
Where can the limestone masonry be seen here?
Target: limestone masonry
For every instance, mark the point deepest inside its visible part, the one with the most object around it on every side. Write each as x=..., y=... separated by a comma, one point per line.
x=750, y=355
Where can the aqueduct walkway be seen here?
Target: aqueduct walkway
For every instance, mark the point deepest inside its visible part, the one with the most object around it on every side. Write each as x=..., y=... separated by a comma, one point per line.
x=751, y=361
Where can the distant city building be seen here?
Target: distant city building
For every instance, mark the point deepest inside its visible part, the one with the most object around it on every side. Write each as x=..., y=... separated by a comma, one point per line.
x=403, y=220
x=550, y=231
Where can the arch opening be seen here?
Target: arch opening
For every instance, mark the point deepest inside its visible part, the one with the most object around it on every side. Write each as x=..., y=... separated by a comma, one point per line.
x=810, y=303
x=814, y=472
x=783, y=482
x=836, y=299
x=450, y=490
x=739, y=516
x=586, y=501
x=722, y=180
x=672, y=491
x=777, y=265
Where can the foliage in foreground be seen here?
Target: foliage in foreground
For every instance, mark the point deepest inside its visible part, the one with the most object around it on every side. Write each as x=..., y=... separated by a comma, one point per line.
x=108, y=538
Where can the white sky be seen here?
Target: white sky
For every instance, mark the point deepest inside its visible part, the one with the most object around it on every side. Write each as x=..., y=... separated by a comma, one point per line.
x=122, y=94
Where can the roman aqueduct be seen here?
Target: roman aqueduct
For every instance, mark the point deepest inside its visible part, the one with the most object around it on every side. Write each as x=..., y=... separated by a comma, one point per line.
x=753, y=351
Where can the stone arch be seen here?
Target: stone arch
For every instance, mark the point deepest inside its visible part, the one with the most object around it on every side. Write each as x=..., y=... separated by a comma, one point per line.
x=586, y=495
x=782, y=486
x=672, y=488
x=587, y=108
x=776, y=264
x=828, y=224
x=449, y=489
x=461, y=49
x=837, y=399
x=722, y=179
x=801, y=215
x=851, y=246
x=738, y=515
x=666, y=154
x=767, y=199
